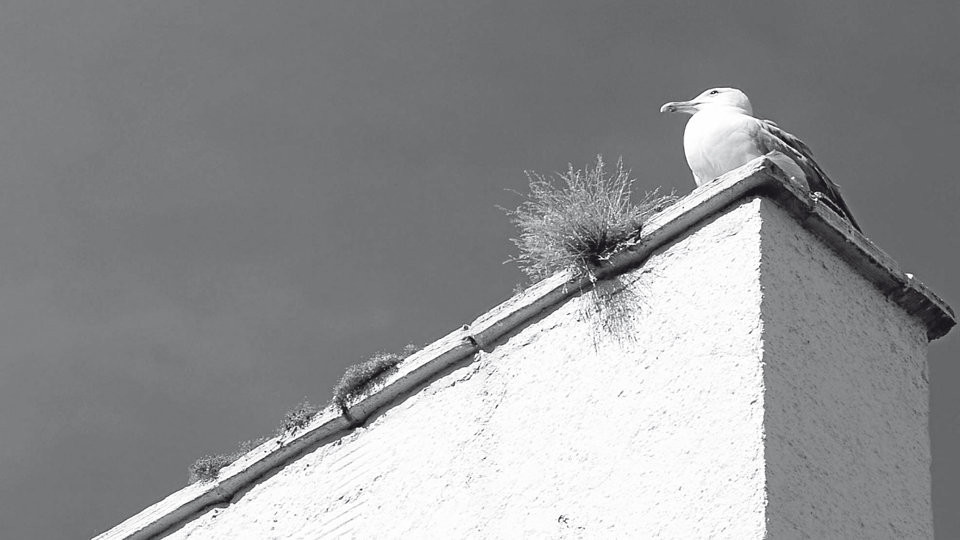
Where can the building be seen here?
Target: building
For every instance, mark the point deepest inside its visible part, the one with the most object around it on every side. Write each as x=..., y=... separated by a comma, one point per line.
x=751, y=368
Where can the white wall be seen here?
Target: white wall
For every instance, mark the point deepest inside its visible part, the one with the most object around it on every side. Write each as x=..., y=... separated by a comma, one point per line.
x=566, y=429
x=848, y=453
x=744, y=383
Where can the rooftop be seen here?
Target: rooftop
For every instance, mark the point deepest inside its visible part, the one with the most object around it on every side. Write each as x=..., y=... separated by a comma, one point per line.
x=759, y=178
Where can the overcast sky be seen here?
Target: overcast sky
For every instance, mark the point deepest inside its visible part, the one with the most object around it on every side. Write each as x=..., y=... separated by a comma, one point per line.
x=209, y=209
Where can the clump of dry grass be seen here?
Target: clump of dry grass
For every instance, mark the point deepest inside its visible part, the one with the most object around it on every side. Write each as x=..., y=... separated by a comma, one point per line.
x=359, y=378
x=298, y=417
x=578, y=219
x=207, y=468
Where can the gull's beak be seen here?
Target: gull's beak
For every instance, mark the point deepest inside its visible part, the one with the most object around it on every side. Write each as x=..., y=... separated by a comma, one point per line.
x=680, y=106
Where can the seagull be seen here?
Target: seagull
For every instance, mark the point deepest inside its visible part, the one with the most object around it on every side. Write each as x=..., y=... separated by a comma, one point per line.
x=723, y=134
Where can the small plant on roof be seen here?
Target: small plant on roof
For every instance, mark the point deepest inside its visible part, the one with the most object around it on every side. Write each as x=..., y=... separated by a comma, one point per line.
x=208, y=468
x=359, y=378
x=579, y=219
x=298, y=417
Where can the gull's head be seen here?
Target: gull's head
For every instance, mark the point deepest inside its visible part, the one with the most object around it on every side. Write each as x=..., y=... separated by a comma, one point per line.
x=712, y=99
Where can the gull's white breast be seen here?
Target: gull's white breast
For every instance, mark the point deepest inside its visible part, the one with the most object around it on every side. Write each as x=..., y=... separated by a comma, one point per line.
x=718, y=141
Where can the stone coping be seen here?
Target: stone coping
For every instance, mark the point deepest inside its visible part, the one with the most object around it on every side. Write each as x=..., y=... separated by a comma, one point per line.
x=761, y=177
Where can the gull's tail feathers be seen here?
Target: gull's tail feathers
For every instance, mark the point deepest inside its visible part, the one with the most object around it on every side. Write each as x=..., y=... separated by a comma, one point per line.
x=776, y=139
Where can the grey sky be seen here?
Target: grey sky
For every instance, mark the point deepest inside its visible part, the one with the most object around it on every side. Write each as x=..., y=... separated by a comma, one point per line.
x=209, y=209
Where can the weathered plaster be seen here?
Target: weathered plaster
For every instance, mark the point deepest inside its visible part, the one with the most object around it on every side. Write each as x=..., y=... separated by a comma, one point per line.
x=848, y=454
x=563, y=429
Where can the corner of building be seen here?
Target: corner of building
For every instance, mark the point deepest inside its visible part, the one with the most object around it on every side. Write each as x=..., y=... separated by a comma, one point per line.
x=845, y=386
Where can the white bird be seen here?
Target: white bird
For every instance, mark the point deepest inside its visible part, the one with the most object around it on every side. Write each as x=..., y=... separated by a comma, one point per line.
x=723, y=134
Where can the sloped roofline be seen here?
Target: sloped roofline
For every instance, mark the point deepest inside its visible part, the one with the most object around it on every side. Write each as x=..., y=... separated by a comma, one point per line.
x=761, y=177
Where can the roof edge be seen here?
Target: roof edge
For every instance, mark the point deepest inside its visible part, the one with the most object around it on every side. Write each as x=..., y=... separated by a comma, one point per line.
x=760, y=177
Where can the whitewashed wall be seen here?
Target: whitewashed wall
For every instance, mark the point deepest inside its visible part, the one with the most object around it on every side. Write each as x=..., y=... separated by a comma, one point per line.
x=572, y=427
x=744, y=382
x=848, y=453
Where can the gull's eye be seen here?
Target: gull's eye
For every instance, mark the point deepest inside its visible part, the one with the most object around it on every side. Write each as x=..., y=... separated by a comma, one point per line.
x=714, y=92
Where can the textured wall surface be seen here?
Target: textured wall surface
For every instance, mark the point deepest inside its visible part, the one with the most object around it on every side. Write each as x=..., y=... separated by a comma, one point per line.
x=848, y=453
x=743, y=383
x=638, y=418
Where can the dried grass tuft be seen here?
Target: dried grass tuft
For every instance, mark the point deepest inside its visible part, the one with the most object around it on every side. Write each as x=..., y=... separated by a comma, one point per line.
x=298, y=417
x=207, y=468
x=360, y=378
x=579, y=219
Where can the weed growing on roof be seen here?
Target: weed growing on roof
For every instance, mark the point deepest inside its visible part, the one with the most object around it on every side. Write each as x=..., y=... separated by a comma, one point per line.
x=207, y=468
x=579, y=219
x=359, y=378
x=298, y=417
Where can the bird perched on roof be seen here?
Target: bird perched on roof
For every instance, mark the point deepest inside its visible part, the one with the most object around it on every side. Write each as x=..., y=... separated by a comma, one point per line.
x=723, y=134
